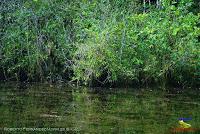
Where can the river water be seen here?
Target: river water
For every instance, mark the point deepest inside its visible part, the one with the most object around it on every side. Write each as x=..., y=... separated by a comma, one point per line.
x=44, y=108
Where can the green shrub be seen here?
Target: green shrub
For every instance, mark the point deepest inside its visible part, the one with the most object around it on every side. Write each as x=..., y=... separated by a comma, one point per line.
x=37, y=39
x=100, y=41
x=159, y=46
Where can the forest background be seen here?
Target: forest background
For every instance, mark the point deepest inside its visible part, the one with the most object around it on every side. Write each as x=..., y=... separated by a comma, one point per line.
x=101, y=42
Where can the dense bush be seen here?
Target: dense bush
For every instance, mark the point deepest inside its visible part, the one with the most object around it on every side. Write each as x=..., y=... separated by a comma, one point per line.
x=100, y=41
x=37, y=39
x=160, y=46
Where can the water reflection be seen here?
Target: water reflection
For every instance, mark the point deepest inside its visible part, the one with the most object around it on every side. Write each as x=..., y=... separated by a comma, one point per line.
x=97, y=110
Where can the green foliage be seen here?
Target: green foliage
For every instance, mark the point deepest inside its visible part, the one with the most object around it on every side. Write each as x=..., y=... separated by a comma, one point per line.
x=36, y=39
x=99, y=40
x=159, y=46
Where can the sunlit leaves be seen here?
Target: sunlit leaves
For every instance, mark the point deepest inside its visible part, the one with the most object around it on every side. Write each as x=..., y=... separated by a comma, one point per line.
x=107, y=40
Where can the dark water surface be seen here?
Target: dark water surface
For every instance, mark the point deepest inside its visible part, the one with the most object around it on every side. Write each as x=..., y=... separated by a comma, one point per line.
x=41, y=108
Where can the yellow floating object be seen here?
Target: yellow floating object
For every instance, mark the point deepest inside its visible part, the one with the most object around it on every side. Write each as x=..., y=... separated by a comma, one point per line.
x=183, y=124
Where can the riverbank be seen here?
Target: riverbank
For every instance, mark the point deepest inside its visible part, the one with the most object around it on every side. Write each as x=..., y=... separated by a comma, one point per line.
x=103, y=44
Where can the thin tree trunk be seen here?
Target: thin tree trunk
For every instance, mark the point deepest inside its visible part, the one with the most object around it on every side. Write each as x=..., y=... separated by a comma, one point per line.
x=158, y=4
x=123, y=41
x=149, y=2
